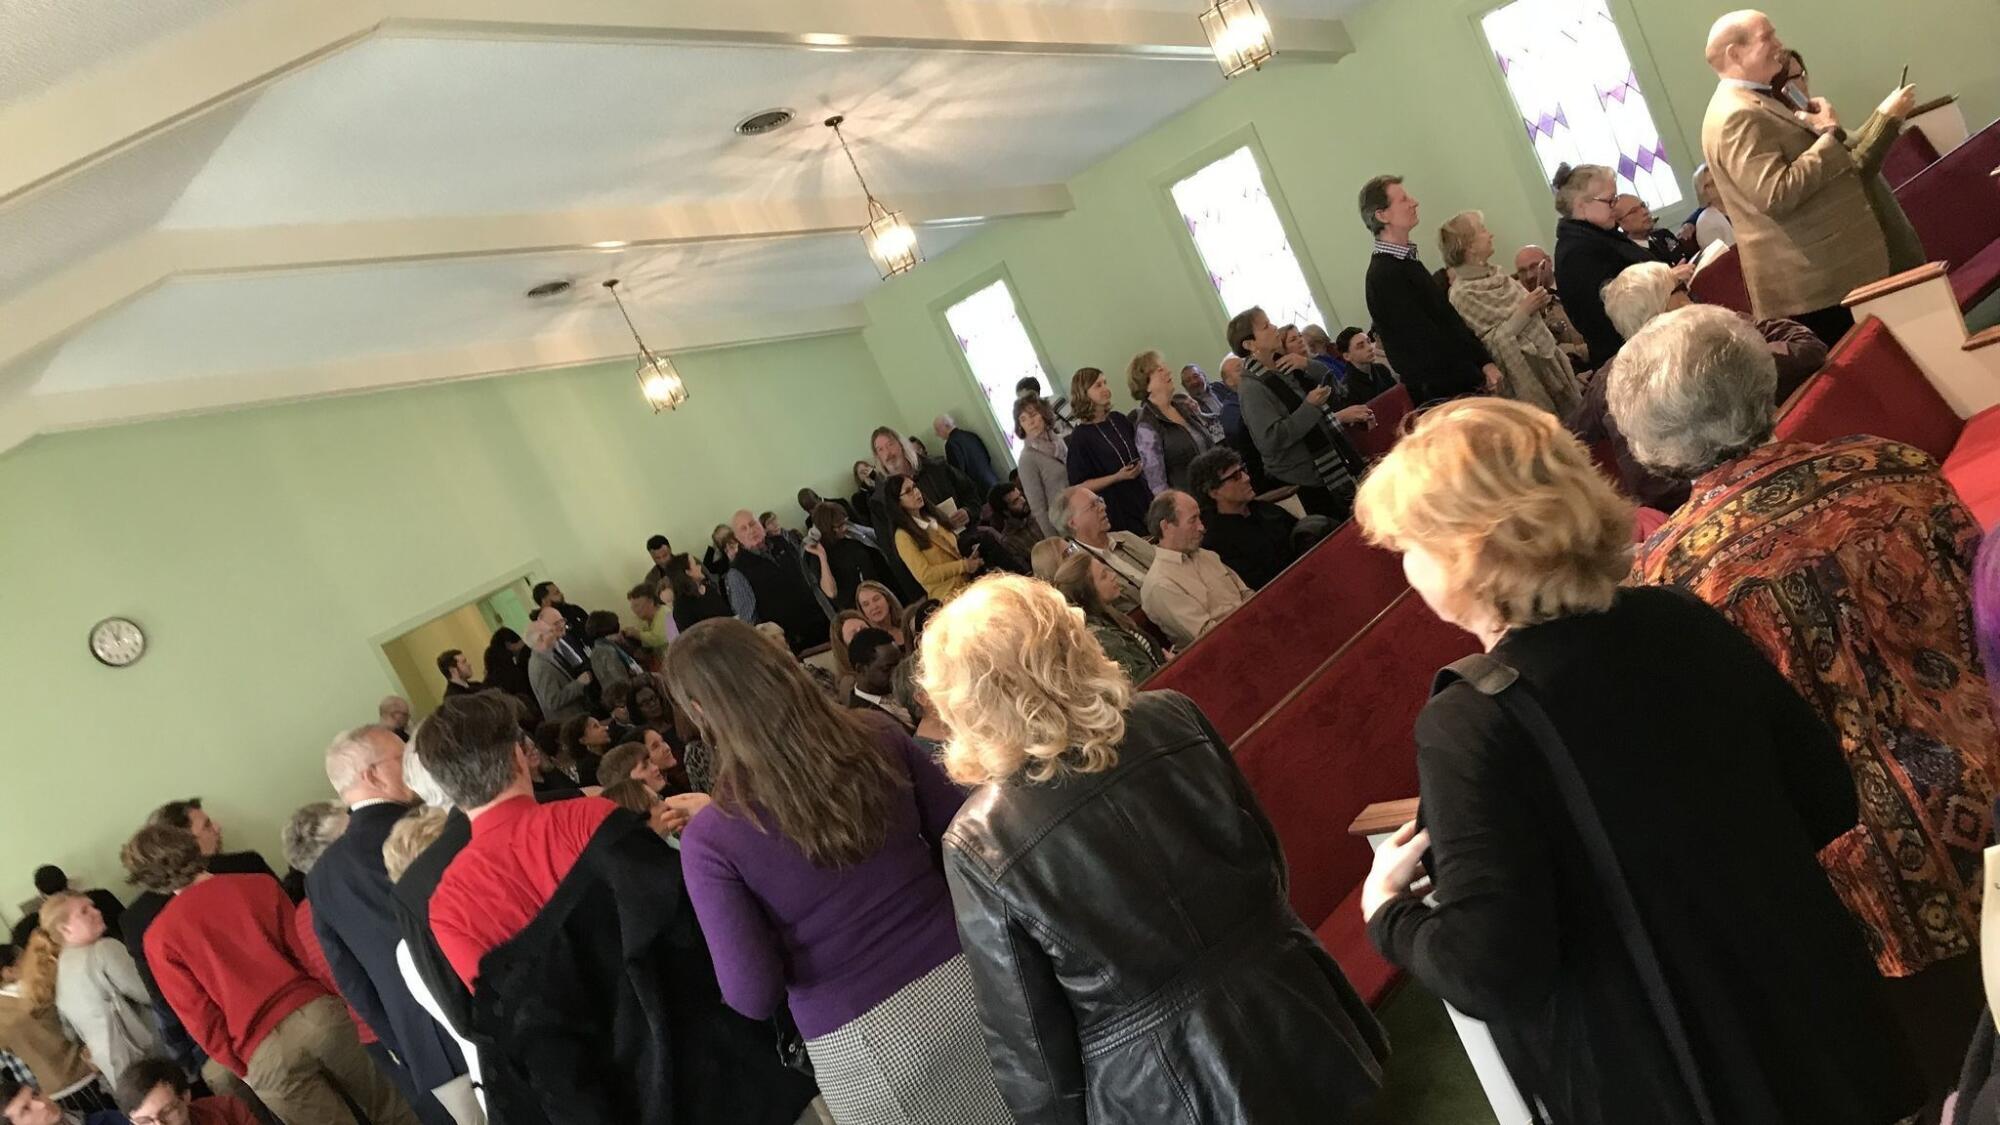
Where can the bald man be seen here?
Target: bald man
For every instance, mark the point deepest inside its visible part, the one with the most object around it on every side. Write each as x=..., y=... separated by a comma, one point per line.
x=1535, y=270
x=1788, y=183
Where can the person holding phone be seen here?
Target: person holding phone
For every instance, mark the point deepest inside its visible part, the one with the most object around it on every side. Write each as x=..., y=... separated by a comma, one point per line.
x=1870, y=145
x=1795, y=192
x=925, y=542
x=1104, y=452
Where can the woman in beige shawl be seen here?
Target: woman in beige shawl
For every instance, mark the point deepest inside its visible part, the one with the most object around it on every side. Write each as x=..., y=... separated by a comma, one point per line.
x=1507, y=318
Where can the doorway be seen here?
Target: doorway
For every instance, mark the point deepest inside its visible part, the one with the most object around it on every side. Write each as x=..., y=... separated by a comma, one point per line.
x=412, y=654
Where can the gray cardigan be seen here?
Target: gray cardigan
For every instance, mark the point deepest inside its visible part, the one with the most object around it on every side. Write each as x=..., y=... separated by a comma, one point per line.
x=1280, y=434
x=1043, y=479
x=100, y=996
x=559, y=693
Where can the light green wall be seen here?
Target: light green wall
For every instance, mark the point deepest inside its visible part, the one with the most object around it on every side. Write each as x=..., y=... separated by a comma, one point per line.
x=1420, y=97
x=265, y=550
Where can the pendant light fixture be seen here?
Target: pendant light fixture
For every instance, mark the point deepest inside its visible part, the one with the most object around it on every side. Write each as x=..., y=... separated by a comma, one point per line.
x=891, y=241
x=659, y=383
x=1239, y=35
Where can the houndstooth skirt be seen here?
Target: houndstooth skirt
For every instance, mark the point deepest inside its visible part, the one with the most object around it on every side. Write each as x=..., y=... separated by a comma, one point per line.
x=917, y=1058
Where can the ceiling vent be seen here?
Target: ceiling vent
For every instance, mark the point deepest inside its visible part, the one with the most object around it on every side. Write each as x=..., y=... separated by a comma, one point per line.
x=548, y=289
x=769, y=121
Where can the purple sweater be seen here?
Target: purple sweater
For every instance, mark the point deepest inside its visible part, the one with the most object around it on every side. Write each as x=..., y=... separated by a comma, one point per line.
x=837, y=942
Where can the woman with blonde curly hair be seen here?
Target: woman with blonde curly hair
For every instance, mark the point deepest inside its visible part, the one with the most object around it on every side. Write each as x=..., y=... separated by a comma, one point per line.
x=1623, y=791
x=1114, y=856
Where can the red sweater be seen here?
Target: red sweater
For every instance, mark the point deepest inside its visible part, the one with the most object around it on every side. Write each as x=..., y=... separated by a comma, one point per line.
x=302, y=925
x=518, y=855
x=226, y=956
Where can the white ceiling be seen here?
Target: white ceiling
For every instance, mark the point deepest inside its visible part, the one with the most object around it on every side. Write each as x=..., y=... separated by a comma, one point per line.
x=210, y=203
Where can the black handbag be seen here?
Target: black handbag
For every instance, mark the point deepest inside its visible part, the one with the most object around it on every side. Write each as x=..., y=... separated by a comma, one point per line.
x=791, y=1045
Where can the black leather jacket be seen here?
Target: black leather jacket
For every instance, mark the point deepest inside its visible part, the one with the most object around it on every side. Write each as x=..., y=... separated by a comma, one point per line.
x=1134, y=954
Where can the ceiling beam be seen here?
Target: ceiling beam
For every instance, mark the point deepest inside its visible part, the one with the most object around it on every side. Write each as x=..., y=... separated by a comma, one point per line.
x=313, y=245
x=1003, y=26
x=126, y=98
x=129, y=97
x=144, y=401
x=51, y=311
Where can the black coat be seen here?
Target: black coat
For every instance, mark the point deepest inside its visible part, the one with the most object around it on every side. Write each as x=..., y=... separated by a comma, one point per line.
x=1717, y=785
x=853, y=562
x=605, y=1009
x=1587, y=256
x=413, y=918
x=354, y=917
x=1134, y=953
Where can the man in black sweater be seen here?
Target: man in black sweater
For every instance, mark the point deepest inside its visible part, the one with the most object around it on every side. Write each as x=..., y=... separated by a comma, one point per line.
x=1437, y=356
x=1253, y=537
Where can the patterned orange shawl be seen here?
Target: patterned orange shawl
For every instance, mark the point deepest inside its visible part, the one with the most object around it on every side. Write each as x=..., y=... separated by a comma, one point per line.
x=1849, y=564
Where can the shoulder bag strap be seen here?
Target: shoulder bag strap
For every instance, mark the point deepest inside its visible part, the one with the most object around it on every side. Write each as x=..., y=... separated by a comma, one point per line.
x=1502, y=683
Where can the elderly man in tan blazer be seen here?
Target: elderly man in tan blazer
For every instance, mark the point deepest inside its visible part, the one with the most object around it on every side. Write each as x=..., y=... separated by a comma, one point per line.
x=1788, y=183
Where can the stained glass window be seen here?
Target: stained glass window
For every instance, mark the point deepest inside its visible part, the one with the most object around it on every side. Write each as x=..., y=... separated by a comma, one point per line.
x=1579, y=99
x=1242, y=243
x=988, y=328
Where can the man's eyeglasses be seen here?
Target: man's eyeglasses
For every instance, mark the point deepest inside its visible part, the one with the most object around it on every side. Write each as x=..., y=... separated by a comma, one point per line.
x=173, y=1113
x=1237, y=473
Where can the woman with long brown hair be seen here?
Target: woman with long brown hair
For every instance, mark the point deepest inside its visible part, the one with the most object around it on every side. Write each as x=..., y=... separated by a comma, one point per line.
x=1104, y=452
x=817, y=877
x=1090, y=585
x=925, y=541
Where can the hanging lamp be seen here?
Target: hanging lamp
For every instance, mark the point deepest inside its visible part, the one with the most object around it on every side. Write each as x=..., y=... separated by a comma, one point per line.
x=660, y=384
x=1239, y=35
x=890, y=239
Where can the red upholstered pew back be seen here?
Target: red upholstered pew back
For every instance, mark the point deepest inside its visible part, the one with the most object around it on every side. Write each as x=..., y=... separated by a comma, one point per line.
x=1870, y=385
x=1911, y=153
x=1955, y=207
x=1720, y=282
x=1341, y=742
x=1390, y=407
x=1243, y=667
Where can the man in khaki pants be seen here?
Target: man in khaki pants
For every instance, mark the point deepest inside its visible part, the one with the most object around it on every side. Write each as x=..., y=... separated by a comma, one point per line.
x=1788, y=183
x=225, y=953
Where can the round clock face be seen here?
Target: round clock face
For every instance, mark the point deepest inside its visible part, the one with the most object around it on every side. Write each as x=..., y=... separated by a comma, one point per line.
x=117, y=642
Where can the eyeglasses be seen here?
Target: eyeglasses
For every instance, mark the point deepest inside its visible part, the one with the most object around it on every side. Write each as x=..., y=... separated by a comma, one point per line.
x=1237, y=473
x=1607, y=200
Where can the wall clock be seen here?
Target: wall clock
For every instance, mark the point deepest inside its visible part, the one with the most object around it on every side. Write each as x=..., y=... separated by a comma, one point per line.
x=117, y=641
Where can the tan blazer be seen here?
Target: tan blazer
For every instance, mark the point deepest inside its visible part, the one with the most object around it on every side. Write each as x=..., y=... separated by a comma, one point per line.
x=1803, y=227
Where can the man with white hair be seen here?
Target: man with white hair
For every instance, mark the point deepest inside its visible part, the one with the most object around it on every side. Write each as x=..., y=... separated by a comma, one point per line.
x=394, y=712
x=767, y=582
x=964, y=451
x=560, y=693
x=1080, y=517
x=354, y=917
x=1789, y=183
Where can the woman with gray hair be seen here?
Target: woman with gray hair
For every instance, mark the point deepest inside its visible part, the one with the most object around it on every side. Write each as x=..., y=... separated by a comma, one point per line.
x=1507, y=318
x=1591, y=250
x=1848, y=563
x=1650, y=289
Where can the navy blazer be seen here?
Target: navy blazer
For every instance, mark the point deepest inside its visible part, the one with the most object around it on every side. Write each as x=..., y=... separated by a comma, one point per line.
x=354, y=916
